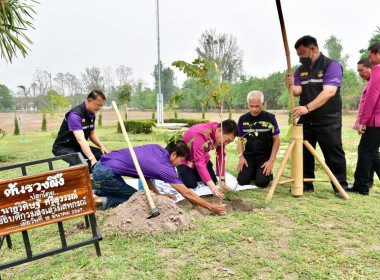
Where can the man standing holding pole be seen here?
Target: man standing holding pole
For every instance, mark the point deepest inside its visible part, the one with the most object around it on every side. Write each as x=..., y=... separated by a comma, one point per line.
x=317, y=82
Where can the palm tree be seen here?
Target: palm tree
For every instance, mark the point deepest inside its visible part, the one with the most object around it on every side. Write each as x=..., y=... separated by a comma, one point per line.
x=14, y=20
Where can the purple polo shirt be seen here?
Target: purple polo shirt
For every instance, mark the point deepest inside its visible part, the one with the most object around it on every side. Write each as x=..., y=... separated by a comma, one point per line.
x=333, y=75
x=153, y=159
x=74, y=120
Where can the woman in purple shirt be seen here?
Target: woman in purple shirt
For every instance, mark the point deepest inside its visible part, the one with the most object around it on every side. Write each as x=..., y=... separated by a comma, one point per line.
x=155, y=162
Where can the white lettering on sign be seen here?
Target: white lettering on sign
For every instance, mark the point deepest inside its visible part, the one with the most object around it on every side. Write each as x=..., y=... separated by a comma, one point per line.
x=51, y=182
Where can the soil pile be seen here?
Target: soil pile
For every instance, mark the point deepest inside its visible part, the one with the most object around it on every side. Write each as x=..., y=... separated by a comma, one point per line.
x=130, y=218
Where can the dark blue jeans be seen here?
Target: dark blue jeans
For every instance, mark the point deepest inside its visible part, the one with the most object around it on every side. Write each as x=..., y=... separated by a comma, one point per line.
x=113, y=188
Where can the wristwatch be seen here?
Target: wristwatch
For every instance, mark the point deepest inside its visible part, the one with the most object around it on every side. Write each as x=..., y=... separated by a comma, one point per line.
x=240, y=155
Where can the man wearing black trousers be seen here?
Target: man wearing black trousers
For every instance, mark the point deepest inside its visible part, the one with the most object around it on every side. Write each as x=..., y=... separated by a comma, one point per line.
x=317, y=82
x=261, y=131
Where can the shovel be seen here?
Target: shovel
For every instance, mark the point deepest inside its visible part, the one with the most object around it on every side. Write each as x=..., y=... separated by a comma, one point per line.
x=154, y=212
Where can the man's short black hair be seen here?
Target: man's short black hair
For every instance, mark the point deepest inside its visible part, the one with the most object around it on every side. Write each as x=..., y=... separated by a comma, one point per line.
x=95, y=93
x=229, y=127
x=306, y=41
x=366, y=62
x=375, y=48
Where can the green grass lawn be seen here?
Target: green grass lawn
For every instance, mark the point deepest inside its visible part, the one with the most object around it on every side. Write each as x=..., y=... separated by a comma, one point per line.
x=316, y=236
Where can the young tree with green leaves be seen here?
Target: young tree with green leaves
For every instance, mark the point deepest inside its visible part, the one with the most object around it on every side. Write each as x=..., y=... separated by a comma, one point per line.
x=374, y=39
x=55, y=101
x=16, y=131
x=124, y=94
x=44, y=122
x=6, y=101
x=335, y=50
x=167, y=81
x=206, y=74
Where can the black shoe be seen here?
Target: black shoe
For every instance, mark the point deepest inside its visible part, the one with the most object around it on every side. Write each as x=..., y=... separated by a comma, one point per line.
x=351, y=188
x=338, y=194
x=308, y=189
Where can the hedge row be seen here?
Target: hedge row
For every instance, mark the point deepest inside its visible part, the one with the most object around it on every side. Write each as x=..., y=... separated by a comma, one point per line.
x=146, y=126
x=190, y=122
x=137, y=126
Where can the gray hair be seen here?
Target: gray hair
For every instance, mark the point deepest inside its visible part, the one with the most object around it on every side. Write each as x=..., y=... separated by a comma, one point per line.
x=255, y=94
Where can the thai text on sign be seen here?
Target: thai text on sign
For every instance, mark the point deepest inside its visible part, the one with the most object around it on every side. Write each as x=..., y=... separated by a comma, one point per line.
x=35, y=200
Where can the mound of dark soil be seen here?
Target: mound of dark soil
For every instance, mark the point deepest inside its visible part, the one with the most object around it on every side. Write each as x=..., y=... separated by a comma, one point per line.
x=130, y=218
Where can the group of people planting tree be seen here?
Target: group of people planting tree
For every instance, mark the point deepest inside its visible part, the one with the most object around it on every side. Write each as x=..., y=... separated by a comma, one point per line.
x=317, y=82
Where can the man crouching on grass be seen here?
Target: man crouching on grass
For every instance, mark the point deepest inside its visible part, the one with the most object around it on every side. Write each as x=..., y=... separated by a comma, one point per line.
x=155, y=162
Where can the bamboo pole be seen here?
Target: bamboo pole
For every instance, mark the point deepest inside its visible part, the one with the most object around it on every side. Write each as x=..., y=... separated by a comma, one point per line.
x=280, y=169
x=296, y=188
x=154, y=211
x=285, y=40
x=327, y=170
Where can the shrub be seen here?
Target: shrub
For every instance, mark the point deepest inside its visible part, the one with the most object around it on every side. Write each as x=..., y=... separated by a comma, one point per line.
x=190, y=122
x=2, y=133
x=137, y=126
x=100, y=119
x=43, y=128
x=17, y=129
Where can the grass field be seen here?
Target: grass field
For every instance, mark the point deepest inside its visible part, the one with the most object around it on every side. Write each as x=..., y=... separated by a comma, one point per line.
x=316, y=236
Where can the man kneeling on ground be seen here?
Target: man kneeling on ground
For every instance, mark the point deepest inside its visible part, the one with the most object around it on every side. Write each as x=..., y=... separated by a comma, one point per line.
x=155, y=162
x=261, y=131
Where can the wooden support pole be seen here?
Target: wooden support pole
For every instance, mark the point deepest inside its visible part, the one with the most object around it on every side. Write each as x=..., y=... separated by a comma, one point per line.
x=327, y=170
x=279, y=172
x=297, y=161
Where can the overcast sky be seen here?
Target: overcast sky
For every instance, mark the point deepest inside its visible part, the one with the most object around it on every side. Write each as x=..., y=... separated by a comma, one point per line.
x=71, y=35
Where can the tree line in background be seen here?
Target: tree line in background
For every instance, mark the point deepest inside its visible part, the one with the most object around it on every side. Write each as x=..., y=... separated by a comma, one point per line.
x=57, y=93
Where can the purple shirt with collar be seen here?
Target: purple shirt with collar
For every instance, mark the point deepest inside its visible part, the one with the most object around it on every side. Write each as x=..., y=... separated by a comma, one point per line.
x=74, y=120
x=153, y=159
x=333, y=75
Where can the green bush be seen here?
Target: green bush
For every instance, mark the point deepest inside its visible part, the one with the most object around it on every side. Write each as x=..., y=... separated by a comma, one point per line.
x=43, y=127
x=190, y=122
x=100, y=119
x=17, y=129
x=137, y=126
x=2, y=133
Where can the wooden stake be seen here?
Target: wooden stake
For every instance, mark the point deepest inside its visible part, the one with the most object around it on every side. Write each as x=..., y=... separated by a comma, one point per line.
x=280, y=169
x=327, y=170
x=297, y=161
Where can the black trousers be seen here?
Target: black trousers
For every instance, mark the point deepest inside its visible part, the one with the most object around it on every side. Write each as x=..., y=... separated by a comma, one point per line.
x=329, y=138
x=254, y=172
x=69, y=150
x=368, y=146
x=190, y=176
x=375, y=167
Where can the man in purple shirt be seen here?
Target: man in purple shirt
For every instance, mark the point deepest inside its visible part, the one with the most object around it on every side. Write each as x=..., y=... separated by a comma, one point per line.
x=155, y=162
x=317, y=82
x=368, y=125
x=78, y=126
